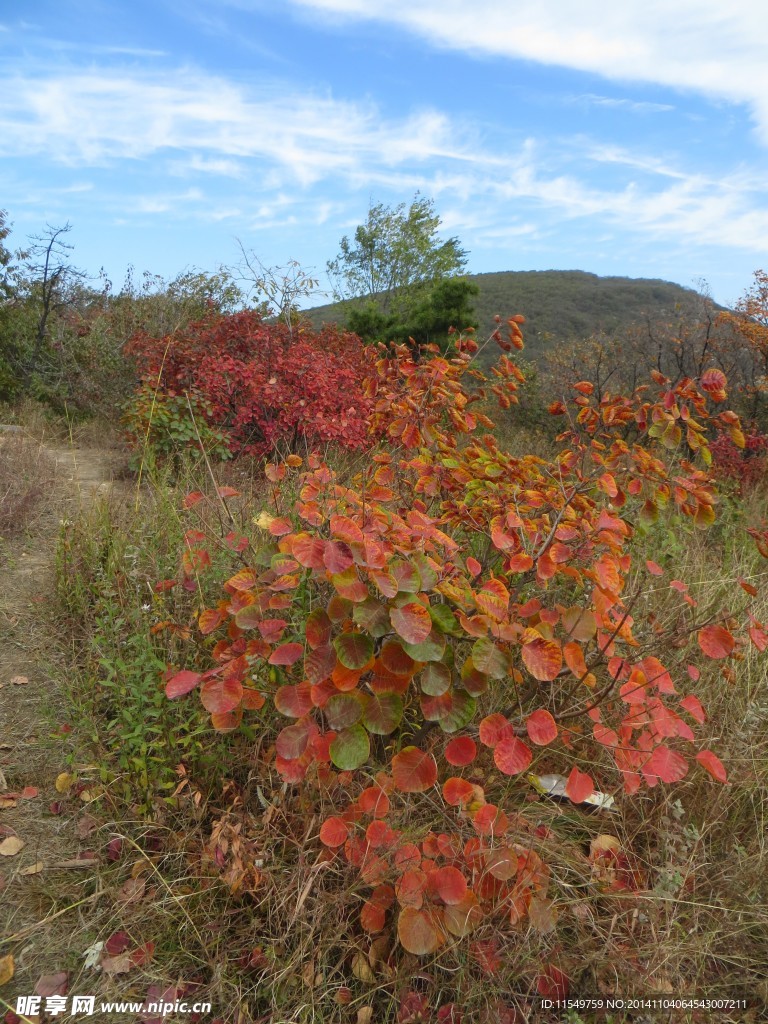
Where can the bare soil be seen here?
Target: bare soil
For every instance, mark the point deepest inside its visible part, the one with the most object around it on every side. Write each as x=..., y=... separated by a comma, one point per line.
x=49, y=881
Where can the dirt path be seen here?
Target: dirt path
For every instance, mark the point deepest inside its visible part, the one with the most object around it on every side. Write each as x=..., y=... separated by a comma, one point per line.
x=41, y=877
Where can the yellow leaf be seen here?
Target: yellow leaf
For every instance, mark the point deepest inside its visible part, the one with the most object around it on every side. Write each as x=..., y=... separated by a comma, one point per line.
x=362, y=969
x=263, y=520
x=6, y=968
x=64, y=782
x=33, y=869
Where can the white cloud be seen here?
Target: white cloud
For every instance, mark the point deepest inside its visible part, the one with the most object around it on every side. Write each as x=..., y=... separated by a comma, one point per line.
x=288, y=154
x=96, y=117
x=714, y=48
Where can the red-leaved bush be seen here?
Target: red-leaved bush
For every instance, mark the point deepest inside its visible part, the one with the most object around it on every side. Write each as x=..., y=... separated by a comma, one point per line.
x=261, y=385
x=426, y=634
x=746, y=465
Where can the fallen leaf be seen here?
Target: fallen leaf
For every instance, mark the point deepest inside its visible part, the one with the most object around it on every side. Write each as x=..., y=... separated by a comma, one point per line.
x=142, y=954
x=19, y=681
x=11, y=846
x=52, y=985
x=7, y=801
x=92, y=955
x=7, y=968
x=116, y=964
x=33, y=869
x=64, y=782
x=117, y=943
x=86, y=823
x=365, y=1015
x=132, y=890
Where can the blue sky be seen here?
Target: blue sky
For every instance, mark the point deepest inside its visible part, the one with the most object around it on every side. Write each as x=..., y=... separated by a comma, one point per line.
x=625, y=138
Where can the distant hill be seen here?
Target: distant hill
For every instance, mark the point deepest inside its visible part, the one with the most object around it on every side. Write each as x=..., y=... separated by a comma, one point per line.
x=563, y=304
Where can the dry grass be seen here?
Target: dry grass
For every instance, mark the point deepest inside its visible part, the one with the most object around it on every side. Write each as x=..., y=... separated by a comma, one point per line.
x=27, y=477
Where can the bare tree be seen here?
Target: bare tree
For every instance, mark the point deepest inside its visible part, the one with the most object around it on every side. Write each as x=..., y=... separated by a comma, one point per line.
x=276, y=290
x=50, y=279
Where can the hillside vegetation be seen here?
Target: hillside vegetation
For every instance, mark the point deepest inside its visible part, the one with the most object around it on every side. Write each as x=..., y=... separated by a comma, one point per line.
x=561, y=304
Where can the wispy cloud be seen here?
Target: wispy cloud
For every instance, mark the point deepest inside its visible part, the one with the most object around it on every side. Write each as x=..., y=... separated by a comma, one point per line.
x=622, y=103
x=293, y=157
x=715, y=49
x=95, y=117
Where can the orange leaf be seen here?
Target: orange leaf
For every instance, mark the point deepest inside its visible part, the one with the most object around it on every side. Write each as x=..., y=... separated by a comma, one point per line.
x=420, y=931
x=543, y=658
x=412, y=622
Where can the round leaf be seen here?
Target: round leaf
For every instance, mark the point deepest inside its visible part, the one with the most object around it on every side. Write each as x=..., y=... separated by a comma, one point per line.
x=414, y=770
x=351, y=748
x=412, y=622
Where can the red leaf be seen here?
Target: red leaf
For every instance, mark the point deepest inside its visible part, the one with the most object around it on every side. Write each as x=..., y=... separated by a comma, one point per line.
x=192, y=499
x=334, y=832
x=294, y=701
x=495, y=728
x=337, y=556
x=579, y=786
x=473, y=566
x=461, y=750
x=654, y=568
x=541, y=727
x=52, y=985
x=221, y=695
x=457, y=791
x=286, y=654
x=552, y=983
x=182, y=683
x=414, y=770
x=512, y=756
x=713, y=765
x=664, y=765
x=210, y=619
x=716, y=641
x=118, y=942
x=543, y=658
x=450, y=883
x=693, y=706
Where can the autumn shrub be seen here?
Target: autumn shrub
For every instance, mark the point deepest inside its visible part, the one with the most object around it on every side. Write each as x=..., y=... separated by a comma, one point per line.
x=260, y=385
x=743, y=465
x=453, y=625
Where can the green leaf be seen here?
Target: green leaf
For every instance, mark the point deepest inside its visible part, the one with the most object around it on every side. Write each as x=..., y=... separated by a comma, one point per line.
x=343, y=710
x=431, y=649
x=435, y=679
x=351, y=748
x=490, y=659
x=383, y=713
x=373, y=617
x=444, y=620
x=354, y=650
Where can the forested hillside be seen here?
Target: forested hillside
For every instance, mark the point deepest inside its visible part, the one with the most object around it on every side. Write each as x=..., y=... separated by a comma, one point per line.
x=562, y=304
